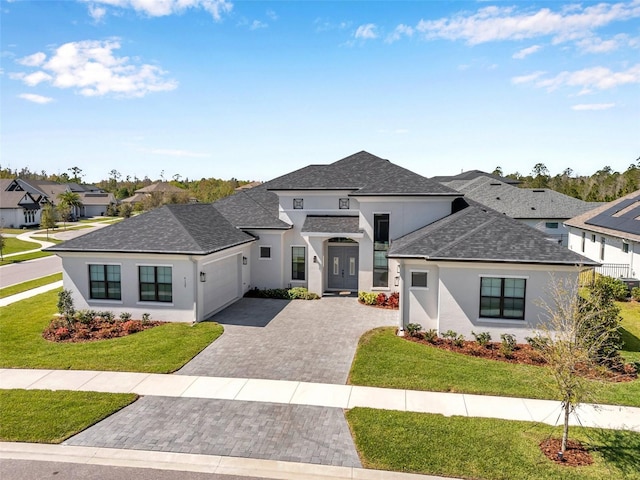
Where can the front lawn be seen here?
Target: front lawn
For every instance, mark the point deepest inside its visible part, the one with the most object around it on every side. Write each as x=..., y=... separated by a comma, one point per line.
x=162, y=349
x=385, y=360
x=45, y=416
x=484, y=448
x=13, y=245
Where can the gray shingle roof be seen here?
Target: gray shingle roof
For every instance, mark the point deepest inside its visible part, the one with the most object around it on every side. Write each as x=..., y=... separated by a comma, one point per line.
x=197, y=229
x=254, y=208
x=477, y=233
x=471, y=175
x=521, y=203
x=363, y=174
x=331, y=224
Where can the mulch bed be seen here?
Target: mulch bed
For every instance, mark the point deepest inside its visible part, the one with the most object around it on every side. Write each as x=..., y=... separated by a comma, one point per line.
x=576, y=454
x=60, y=331
x=522, y=354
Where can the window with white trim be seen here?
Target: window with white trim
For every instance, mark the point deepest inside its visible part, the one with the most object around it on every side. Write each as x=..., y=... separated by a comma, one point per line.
x=502, y=297
x=298, y=263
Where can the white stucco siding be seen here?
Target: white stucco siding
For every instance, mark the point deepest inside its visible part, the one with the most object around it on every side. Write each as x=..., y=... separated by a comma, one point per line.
x=314, y=203
x=459, y=297
x=613, y=249
x=94, y=210
x=16, y=217
x=183, y=275
x=544, y=225
x=267, y=272
x=419, y=304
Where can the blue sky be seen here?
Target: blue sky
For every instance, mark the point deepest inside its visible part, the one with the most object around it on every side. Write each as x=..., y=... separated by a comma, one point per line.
x=253, y=89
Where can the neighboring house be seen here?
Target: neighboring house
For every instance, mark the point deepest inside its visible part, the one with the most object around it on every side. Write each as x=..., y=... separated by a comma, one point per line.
x=159, y=189
x=18, y=208
x=610, y=234
x=94, y=200
x=247, y=186
x=361, y=223
x=541, y=208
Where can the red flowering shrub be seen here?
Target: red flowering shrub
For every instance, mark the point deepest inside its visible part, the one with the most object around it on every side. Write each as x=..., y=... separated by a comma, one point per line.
x=381, y=299
x=62, y=333
x=132, y=326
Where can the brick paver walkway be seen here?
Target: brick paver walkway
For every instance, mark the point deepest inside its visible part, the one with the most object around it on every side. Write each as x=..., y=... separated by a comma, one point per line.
x=307, y=341
x=294, y=433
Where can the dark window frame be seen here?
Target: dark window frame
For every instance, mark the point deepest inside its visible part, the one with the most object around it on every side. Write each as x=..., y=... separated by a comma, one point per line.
x=157, y=297
x=502, y=299
x=602, y=244
x=625, y=247
x=265, y=257
x=298, y=274
x=380, y=246
x=110, y=293
x=552, y=225
x=343, y=203
x=421, y=273
x=298, y=203
x=584, y=238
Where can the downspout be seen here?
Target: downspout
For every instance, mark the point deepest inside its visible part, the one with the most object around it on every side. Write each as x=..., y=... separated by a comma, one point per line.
x=401, y=298
x=196, y=286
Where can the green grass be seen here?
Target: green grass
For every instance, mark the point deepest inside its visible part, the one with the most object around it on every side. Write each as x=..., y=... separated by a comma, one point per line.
x=44, y=416
x=162, y=349
x=13, y=245
x=385, y=360
x=630, y=312
x=45, y=239
x=16, y=231
x=23, y=287
x=97, y=219
x=484, y=448
x=25, y=257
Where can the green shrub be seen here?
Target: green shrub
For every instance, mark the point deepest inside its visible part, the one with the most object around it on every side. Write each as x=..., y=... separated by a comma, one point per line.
x=301, y=293
x=413, y=329
x=635, y=293
x=430, y=335
x=454, y=338
x=124, y=316
x=146, y=318
x=85, y=316
x=65, y=304
x=508, y=344
x=108, y=316
x=368, y=298
x=483, y=338
x=537, y=343
x=612, y=286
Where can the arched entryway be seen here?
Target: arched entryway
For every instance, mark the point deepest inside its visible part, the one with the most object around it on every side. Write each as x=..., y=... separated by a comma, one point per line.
x=342, y=267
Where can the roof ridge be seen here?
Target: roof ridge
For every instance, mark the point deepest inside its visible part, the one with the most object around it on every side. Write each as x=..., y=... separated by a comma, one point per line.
x=246, y=192
x=466, y=235
x=182, y=224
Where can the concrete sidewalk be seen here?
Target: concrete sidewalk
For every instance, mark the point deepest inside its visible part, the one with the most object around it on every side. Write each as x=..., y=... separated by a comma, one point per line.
x=196, y=463
x=29, y=293
x=319, y=394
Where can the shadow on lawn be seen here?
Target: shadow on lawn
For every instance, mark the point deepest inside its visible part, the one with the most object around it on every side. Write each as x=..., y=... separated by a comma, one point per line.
x=631, y=342
x=619, y=448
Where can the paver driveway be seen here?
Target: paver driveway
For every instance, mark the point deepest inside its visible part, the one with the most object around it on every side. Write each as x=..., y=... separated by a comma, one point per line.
x=308, y=341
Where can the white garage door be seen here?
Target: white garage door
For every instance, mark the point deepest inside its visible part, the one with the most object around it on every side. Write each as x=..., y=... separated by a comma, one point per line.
x=223, y=284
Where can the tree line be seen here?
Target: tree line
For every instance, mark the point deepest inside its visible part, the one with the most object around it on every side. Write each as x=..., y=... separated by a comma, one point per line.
x=205, y=190
x=604, y=185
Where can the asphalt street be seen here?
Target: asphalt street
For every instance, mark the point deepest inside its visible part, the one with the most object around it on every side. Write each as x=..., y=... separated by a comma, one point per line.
x=31, y=470
x=24, y=271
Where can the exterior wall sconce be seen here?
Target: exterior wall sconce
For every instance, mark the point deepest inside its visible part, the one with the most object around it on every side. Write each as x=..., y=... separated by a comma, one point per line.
x=203, y=277
x=315, y=259
x=244, y=260
x=397, y=281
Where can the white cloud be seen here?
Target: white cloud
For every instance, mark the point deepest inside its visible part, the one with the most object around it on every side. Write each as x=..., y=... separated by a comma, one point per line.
x=525, y=52
x=366, y=32
x=92, y=69
x=593, y=106
x=272, y=15
x=400, y=31
x=32, y=97
x=598, y=45
x=588, y=79
x=174, y=153
x=97, y=13
x=505, y=23
x=527, y=78
x=34, y=60
x=161, y=8
x=257, y=25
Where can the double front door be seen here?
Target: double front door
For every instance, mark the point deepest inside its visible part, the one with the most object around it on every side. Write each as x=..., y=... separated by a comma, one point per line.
x=343, y=267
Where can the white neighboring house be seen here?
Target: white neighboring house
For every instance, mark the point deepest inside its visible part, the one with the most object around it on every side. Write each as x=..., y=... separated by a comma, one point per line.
x=361, y=223
x=541, y=208
x=610, y=234
x=18, y=207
